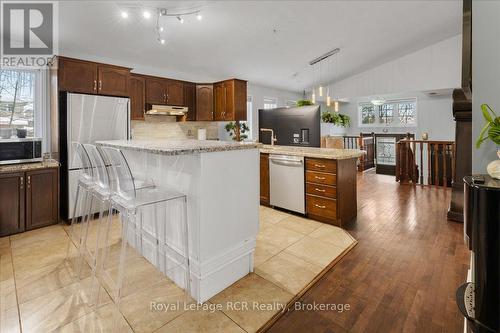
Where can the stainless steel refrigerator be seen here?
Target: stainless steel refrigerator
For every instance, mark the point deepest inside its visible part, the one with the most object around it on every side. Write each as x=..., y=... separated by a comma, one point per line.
x=86, y=119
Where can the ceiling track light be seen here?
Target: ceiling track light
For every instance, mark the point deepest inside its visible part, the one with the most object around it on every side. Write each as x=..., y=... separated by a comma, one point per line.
x=146, y=14
x=180, y=19
x=124, y=14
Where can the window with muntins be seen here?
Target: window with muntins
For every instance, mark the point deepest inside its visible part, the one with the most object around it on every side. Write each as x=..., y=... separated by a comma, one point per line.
x=17, y=101
x=393, y=113
x=270, y=103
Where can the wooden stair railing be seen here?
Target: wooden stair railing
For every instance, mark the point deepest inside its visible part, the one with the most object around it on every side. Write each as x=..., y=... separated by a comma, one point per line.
x=366, y=142
x=425, y=162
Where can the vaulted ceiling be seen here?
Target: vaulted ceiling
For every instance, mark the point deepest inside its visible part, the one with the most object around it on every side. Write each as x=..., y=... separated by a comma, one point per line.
x=266, y=42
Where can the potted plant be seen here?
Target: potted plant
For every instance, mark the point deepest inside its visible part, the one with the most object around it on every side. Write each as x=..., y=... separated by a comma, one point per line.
x=491, y=131
x=304, y=102
x=237, y=130
x=338, y=122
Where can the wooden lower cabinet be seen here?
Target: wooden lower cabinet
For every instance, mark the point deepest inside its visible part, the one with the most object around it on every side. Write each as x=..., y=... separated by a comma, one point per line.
x=264, y=179
x=11, y=203
x=28, y=200
x=331, y=195
x=41, y=198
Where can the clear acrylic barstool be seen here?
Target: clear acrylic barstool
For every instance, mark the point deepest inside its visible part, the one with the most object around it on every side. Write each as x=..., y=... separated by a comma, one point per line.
x=82, y=206
x=131, y=202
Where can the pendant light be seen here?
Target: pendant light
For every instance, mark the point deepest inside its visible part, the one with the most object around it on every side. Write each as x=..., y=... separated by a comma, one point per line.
x=328, y=98
x=336, y=103
x=320, y=89
x=336, y=106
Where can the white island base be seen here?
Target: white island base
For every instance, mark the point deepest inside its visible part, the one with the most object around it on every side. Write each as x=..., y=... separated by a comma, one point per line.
x=222, y=188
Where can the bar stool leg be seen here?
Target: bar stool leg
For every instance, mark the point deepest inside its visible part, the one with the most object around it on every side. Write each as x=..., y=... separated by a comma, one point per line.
x=85, y=232
x=101, y=271
x=123, y=255
x=72, y=225
x=94, y=265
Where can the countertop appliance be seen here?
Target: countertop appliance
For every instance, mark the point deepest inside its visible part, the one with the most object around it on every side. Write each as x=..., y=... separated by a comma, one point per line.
x=286, y=174
x=23, y=150
x=86, y=119
x=478, y=299
x=297, y=126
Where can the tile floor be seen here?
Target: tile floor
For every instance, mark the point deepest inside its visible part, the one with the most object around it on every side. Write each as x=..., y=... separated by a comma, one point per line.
x=40, y=291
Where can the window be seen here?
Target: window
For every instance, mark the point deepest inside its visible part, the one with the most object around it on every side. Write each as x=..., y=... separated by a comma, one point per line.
x=17, y=101
x=291, y=104
x=394, y=113
x=270, y=103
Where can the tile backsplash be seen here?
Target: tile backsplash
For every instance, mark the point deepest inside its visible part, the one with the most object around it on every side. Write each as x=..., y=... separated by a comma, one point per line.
x=166, y=127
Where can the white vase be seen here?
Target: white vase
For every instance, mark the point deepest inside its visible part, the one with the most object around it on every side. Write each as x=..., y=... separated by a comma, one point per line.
x=494, y=167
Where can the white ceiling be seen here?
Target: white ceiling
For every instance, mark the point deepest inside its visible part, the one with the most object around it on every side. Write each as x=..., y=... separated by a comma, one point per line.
x=237, y=38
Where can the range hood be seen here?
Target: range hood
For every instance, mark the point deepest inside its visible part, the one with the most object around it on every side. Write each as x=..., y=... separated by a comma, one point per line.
x=167, y=110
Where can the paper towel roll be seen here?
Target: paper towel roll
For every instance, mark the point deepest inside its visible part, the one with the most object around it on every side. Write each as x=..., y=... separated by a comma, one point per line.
x=202, y=133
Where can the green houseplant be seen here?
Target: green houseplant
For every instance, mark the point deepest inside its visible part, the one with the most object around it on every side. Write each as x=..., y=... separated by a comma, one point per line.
x=304, y=102
x=237, y=130
x=491, y=131
x=336, y=118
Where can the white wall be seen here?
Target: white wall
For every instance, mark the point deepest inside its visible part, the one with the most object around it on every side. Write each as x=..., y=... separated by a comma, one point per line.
x=258, y=94
x=434, y=116
x=485, y=75
x=436, y=67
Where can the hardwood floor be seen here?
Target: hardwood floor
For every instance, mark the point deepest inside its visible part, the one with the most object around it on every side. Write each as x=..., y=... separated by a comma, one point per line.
x=402, y=275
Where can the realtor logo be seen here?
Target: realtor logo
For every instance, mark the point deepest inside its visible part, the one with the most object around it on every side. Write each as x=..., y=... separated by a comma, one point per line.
x=28, y=32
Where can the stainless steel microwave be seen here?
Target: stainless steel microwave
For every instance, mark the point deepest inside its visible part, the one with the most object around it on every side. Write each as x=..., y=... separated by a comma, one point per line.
x=20, y=150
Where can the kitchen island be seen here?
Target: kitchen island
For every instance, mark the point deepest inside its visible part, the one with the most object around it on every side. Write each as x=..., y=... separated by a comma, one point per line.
x=219, y=179
x=323, y=186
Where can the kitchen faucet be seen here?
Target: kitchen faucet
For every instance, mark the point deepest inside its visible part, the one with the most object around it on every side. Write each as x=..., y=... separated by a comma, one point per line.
x=273, y=137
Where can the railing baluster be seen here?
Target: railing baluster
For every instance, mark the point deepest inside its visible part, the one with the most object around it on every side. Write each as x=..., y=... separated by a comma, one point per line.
x=444, y=150
x=436, y=165
x=398, y=156
x=429, y=168
x=421, y=169
x=406, y=161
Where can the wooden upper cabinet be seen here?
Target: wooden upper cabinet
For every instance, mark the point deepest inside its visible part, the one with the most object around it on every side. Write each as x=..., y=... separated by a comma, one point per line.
x=88, y=77
x=190, y=100
x=77, y=76
x=230, y=100
x=175, y=92
x=11, y=203
x=112, y=80
x=137, y=92
x=156, y=91
x=204, y=102
x=219, y=101
x=42, y=198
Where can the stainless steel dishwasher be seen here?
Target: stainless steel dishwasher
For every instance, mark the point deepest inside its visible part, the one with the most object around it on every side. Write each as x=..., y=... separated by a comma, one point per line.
x=286, y=175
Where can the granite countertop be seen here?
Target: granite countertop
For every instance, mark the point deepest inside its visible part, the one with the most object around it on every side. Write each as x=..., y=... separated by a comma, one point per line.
x=178, y=147
x=330, y=153
x=21, y=167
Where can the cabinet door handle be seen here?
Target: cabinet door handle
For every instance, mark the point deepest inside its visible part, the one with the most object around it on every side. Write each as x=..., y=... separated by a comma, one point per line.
x=95, y=85
x=21, y=179
x=320, y=165
x=168, y=96
x=319, y=190
x=29, y=181
x=320, y=178
x=319, y=206
x=100, y=85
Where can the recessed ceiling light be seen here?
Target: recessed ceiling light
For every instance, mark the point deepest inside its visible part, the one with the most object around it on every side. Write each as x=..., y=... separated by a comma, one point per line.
x=199, y=17
x=162, y=41
x=161, y=29
x=124, y=14
x=146, y=14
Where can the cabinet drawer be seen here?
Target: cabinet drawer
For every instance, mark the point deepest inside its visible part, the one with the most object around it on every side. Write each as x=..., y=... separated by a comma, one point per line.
x=321, y=190
x=323, y=165
x=321, y=178
x=323, y=207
